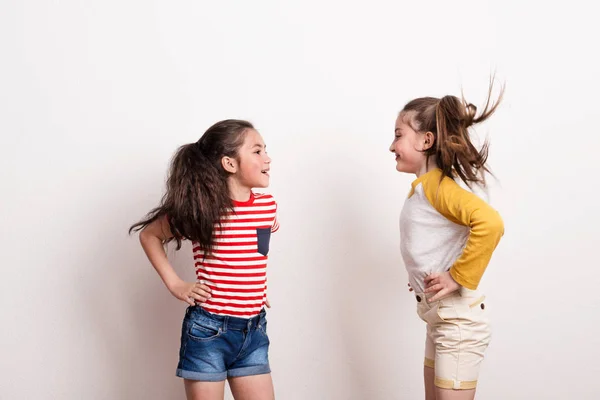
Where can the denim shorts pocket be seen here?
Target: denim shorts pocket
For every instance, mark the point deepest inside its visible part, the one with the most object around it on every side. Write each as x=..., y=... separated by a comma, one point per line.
x=203, y=331
x=263, y=237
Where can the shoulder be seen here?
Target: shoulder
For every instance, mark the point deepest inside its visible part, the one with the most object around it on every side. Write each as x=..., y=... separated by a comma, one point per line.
x=433, y=181
x=264, y=198
x=448, y=197
x=432, y=184
x=435, y=185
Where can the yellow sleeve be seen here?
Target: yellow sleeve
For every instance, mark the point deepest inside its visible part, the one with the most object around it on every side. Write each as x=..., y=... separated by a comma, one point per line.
x=465, y=208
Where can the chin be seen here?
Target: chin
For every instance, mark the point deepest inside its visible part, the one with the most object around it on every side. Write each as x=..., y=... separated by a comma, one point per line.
x=403, y=169
x=262, y=184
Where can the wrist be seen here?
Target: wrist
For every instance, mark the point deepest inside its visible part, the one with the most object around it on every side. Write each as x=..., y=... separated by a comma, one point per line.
x=172, y=282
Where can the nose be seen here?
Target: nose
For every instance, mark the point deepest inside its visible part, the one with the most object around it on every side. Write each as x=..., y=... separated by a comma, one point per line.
x=392, y=148
x=268, y=159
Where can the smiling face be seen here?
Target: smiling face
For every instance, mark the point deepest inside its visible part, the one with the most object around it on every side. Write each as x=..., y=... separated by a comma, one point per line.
x=408, y=146
x=253, y=162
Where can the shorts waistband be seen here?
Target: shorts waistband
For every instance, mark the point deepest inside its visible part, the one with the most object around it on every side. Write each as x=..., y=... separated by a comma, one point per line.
x=228, y=322
x=424, y=297
x=462, y=292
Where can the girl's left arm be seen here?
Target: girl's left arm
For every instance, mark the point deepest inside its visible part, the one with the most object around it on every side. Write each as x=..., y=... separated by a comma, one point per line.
x=486, y=228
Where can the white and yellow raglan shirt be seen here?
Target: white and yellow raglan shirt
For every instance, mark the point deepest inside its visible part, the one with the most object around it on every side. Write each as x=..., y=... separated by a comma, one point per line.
x=445, y=227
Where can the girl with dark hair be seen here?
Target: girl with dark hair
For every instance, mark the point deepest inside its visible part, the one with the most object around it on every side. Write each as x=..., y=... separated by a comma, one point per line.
x=209, y=201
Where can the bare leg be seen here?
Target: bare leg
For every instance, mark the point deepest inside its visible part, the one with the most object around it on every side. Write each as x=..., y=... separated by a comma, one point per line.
x=196, y=390
x=429, y=375
x=254, y=387
x=449, y=394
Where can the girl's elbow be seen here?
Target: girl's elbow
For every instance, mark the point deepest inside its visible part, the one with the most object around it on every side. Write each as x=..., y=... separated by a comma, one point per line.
x=145, y=236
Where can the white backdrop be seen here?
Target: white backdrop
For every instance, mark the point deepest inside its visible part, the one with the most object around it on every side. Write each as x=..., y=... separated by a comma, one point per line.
x=95, y=96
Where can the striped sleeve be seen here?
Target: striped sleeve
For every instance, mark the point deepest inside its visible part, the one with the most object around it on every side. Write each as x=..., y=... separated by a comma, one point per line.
x=275, y=226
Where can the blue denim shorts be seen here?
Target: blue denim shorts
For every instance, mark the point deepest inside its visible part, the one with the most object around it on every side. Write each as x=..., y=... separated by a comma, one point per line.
x=216, y=347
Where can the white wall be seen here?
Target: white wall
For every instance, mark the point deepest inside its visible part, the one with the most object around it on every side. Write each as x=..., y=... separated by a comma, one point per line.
x=95, y=96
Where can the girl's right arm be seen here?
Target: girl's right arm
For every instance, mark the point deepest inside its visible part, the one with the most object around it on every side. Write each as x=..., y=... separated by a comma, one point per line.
x=152, y=238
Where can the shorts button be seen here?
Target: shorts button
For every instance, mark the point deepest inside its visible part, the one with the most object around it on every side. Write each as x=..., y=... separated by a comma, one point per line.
x=482, y=306
x=419, y=299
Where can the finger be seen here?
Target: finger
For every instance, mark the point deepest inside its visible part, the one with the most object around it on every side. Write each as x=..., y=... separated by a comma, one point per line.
x=199, y=298
x=431, y=277
x=267, y=303
x=201, y=292
x=202, y=286
x=410, y=289
x=438, y=295
x=432, y=282
x=190, y=301
x=434, y=288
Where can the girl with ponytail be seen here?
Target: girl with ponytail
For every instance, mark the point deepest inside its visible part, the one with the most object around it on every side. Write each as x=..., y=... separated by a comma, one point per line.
x=447, y=236
x=209, y=201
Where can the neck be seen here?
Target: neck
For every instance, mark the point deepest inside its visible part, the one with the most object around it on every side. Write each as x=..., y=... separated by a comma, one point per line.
x=426, y=167
x=237, y=191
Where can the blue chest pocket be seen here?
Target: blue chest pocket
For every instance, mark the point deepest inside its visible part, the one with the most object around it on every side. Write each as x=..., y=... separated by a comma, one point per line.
x=263, y=237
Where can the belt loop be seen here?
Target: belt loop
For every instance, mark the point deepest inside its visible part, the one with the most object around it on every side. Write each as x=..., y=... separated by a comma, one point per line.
x=225, y=320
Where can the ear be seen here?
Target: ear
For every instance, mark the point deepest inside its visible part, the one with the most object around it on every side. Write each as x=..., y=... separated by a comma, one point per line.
x=428, y=140
x=229, y=164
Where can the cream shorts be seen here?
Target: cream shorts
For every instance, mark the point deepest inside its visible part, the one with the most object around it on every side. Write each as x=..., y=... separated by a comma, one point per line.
x=458, y=333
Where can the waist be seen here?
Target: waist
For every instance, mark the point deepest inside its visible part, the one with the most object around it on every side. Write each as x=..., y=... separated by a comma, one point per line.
x=416, y=276
x=231, y=279
x=228, y=321
x=462, y=295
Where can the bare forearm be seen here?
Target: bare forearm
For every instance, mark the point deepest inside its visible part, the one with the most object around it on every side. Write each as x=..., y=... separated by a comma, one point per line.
x=152, y=238
x=153, y=247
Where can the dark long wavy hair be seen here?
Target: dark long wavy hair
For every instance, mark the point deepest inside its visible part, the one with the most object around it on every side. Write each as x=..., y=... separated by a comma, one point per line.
x=449, y=119
x=197, y=193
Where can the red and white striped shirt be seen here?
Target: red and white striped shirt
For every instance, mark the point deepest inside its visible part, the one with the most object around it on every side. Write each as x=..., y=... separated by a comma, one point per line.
x=236, y=271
